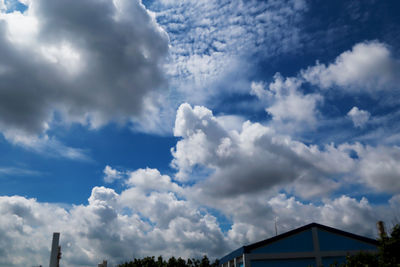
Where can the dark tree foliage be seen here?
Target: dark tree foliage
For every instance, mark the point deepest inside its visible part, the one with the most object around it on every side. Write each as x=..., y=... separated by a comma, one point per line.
x=171, y=262
x=389, y=248
x=388, y=255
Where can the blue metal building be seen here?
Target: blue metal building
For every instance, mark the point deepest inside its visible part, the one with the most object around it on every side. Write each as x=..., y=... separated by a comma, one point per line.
x=311, y=245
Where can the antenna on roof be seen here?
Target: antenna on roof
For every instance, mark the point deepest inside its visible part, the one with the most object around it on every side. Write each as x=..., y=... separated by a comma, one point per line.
x=276, y=227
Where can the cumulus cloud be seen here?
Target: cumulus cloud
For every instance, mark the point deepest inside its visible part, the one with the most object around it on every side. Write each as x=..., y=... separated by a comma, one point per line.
x=286, y=103
x=343, y=212
x=358, y=116
x=256, y=159
x=379, y=168
x=151, y=180
x=367, y=67
x=91, y=61
x=107, y=227
x=110, y=174
x=253, y=159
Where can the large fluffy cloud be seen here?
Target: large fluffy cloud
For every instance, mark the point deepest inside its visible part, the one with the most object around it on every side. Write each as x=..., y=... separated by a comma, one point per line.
x=379, y=167
x=368, y=66
x=111, y=226
x=358, y=77
x=256, y=159
x=92, y=61
x=253, y=159
x=246, y=168
x=287, y=104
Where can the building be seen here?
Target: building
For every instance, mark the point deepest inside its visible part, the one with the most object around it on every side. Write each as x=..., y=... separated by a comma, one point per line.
x=311, y=245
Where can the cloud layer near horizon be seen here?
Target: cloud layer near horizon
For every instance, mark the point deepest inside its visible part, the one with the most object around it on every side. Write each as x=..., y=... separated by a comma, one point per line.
x=138, y=223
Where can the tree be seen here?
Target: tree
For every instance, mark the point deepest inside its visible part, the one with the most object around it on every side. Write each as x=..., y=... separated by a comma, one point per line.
x=389, y=248
x=205, y=262
x=172, y=262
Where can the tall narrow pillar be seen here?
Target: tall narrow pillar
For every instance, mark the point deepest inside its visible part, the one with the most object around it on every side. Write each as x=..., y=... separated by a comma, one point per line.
x=54, y=250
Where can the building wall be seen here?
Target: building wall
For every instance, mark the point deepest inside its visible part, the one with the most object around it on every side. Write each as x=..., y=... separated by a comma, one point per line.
x=301, y=242
x=331, y=241
x=327, y=261
x=308, y=262
x=311, y=247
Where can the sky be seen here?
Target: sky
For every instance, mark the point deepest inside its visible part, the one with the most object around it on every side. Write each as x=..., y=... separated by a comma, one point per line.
x=161, y=127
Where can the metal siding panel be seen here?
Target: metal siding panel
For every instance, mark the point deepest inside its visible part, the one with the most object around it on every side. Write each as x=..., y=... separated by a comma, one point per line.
x=330, y=241
x=301, y=242
x=310, y=262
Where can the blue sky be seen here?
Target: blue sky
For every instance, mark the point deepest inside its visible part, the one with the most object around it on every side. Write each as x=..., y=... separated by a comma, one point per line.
x=188, y=127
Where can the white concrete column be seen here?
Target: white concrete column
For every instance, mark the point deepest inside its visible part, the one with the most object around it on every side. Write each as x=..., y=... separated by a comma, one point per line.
x=246, y=261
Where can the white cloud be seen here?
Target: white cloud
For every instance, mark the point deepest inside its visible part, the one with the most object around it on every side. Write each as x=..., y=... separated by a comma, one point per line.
x=111, y=226
x=211, y=41
x=149, y=180
x=51, y=62
x=258, y=89
x=256, y=159
x=248, y=166
x=17, y=171
x=2, y=5
x=358, y=116
x=367, y=67
x=253, y=159
x=379, y=167
x=286, y=103
x=343, y=212
x=45, y=145
x=110, y=174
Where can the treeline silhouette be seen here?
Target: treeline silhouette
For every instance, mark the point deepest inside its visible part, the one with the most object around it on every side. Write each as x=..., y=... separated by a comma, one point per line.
x=171, y=262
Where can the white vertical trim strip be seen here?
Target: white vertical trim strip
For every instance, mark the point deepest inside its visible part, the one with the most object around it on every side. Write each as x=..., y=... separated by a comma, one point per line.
x=317, y=250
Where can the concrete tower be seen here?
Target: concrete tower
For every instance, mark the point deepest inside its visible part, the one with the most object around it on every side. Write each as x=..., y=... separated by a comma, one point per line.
x=55, y=254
